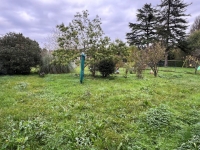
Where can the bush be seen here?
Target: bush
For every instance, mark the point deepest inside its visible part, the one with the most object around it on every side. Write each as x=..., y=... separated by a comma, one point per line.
x=18, y=54
x=106, y=67
x=47, y=66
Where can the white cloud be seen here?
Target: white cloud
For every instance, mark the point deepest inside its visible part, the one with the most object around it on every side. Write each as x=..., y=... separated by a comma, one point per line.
x=25, y=16
x=37, y=18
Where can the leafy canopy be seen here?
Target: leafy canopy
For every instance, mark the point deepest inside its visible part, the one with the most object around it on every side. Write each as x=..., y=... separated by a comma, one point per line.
x=18, y=54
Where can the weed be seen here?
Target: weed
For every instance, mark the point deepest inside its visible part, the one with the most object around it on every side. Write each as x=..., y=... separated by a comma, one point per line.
x=159, y=117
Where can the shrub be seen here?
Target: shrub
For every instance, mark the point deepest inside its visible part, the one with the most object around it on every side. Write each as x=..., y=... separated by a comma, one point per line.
x=106, y=67
x=18, y=54
x=47, y=66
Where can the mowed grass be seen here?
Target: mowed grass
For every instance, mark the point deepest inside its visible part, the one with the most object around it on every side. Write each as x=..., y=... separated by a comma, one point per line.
x=57, y=112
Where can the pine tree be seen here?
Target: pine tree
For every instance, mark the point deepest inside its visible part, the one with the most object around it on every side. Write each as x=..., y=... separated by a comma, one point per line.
x=173, y=23
x=144, y=32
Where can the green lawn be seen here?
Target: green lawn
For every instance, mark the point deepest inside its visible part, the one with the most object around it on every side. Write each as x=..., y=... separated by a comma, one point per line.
x=115, y=113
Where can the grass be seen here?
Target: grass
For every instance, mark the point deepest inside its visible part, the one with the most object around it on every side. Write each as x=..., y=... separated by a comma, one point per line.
x=57, y=112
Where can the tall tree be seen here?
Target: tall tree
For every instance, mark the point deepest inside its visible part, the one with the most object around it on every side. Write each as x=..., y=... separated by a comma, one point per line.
x=82, y=35
x=173, y=23
x=18, y=54
x=195, y=25
x=144, y=32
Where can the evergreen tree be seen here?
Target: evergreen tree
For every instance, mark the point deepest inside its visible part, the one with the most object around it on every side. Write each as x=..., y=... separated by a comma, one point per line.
x=173, y=23
x=144, y=32
x=18, y=54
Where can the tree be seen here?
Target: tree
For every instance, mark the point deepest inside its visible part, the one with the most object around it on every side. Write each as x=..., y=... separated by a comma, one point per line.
x=173, y=25
x=18, y=54
x=194, y=41
x=51, y=41
x=140, y=62
x=81, y=35
x=47, y=65
x=155, y=53
x=143, y=33
x=118, y=51
x=195, y=25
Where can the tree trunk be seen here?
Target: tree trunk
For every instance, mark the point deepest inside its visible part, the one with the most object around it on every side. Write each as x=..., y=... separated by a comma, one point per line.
x=93, y=72
x=166, y=59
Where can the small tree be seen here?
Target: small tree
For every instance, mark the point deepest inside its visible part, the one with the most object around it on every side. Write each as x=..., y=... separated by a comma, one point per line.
x=192, y=61
x=106, y=67
x=81, y=35
x=140, y=59
x=155, y=53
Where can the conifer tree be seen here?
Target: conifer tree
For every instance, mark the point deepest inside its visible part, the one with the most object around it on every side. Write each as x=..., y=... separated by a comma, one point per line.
x=173, y=23
x=144, y=32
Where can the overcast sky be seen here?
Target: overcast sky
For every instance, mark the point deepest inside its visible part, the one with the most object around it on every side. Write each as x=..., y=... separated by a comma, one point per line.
x=38, y=18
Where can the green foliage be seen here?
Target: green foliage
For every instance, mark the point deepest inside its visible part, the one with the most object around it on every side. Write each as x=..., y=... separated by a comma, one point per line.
x=85, y=35
x=48, y=64
x=18, y=54
x=143, y=33
x=172, y=24
x=106, y=67
x=159, y=117
x=81, y=35
x=25, y=134
x=193, y=143
x=118, y=51
x=194, y=43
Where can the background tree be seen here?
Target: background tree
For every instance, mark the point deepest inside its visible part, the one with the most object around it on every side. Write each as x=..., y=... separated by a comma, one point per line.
x=196, y=25
x=144, y=32
x=47, y=65
x=155, y=53
x=192, y=61
x=173, y=25
x=18, y=54
x=194, y=42
x=81, y=35
x=140, y=62
x=118, y=51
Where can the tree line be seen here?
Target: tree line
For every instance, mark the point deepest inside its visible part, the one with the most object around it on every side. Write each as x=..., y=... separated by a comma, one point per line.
x=157, y=32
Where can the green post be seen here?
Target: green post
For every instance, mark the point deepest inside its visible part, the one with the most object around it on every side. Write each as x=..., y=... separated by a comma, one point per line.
x=82, y=67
